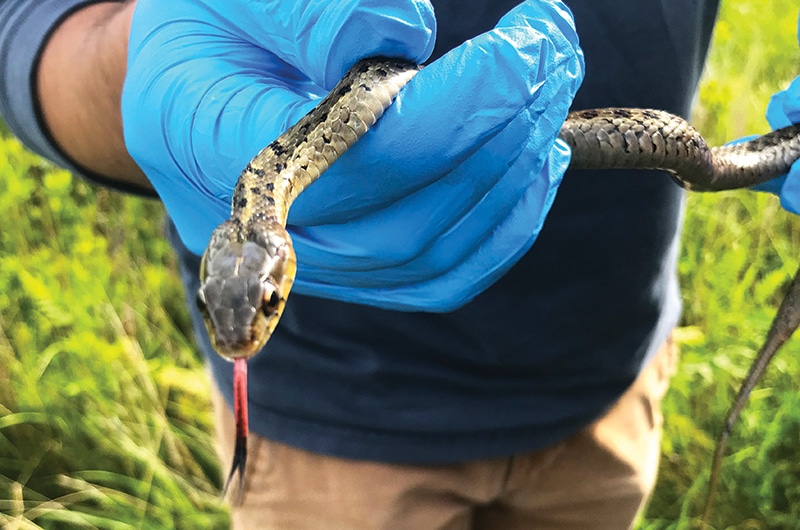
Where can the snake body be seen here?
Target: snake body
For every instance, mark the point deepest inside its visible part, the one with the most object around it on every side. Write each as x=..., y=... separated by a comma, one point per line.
x=249, y=266
x=653, y=139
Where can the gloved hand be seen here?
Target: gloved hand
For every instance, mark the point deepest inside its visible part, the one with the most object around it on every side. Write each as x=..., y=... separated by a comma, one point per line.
x=445, y=194
x=784, y=110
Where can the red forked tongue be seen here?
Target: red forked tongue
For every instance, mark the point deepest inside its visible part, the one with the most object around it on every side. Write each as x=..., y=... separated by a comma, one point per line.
x=240, y=413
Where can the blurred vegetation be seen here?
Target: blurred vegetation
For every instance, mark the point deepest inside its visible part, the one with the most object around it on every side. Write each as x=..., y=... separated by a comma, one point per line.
x=740, y=250
x=104, y=412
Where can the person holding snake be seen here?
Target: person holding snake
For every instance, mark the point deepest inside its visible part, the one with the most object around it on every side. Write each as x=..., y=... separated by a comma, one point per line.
x=474, y=339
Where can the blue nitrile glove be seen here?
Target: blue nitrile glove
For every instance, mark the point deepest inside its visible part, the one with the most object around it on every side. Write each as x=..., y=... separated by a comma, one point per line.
x=784, y=110
x=430, y=207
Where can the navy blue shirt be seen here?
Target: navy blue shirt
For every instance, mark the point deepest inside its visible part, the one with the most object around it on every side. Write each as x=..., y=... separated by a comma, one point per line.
x=534, y=358
x=553, y=343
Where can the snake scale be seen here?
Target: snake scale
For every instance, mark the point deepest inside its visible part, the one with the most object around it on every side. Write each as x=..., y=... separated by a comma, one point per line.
x=249, y=266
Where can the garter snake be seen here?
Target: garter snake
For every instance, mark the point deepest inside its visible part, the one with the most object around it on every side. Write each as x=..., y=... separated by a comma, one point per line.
x=249, y=266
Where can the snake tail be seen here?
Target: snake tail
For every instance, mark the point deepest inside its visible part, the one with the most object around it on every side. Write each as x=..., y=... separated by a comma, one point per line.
x=620, y=138
x=785, y=323
x=240, y=413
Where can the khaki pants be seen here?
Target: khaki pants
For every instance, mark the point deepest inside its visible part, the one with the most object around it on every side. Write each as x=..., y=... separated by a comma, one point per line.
x=597, y=479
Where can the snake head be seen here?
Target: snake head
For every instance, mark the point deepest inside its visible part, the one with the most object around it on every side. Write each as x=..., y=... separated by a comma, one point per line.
x=245, y=278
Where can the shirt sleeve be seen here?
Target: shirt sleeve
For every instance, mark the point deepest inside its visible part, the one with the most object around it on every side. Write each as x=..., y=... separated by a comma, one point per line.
x=25, y=26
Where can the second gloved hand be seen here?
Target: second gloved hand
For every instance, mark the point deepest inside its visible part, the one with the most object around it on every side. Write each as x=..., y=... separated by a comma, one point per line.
x=784, y=110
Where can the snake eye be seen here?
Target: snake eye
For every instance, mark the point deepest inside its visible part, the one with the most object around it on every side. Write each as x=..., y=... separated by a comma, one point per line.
x=271, y=301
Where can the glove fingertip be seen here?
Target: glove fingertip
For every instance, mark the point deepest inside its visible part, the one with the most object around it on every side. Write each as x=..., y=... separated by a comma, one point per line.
x=791, y=204
x=784, y=107
x=349, y=31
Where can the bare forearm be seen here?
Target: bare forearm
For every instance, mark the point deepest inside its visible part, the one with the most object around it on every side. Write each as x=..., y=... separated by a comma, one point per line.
x=79, y=84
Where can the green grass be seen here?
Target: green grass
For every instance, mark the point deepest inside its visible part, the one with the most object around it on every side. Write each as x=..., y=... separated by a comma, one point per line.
x=740, y=249
x=104, y=413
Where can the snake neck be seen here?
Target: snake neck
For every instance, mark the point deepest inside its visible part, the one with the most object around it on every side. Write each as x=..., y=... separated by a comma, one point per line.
x=260, y=201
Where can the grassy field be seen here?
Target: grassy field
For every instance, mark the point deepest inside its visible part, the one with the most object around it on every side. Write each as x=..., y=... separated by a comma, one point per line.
x=104, y=414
